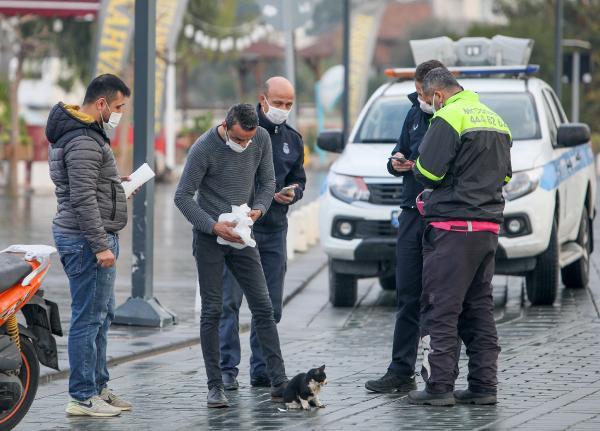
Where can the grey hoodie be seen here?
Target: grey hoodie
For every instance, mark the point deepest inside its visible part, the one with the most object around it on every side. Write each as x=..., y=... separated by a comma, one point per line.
x=91, y=200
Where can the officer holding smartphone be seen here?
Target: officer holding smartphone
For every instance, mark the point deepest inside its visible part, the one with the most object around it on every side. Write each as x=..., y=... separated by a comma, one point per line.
x=270, y=232
x=409, y=253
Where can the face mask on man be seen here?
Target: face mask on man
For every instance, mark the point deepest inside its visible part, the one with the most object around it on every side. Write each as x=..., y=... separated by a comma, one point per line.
x=425, y=107
x=235, y=146
x=276, y=115
x=113, y=120
x=433, y=104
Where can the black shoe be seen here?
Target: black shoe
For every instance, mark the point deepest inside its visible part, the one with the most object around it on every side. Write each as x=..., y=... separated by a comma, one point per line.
x=260, y=382
x=277, y=392
x=216, y=398
x=424, y=398
x=230, y=383
x=478, y=398
x=391, y=383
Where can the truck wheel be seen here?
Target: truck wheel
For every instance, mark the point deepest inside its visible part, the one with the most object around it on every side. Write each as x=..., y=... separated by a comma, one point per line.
x=388, y=283
x=577, y=274
x=542, y=282
x=342, y=289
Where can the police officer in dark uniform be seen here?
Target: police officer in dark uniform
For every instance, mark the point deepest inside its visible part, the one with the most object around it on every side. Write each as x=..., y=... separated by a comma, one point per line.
x=409, y=254
x=270, y=232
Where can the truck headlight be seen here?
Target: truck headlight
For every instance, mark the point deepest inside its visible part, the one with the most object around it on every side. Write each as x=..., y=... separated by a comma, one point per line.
x=347, y=188
x=522, y=183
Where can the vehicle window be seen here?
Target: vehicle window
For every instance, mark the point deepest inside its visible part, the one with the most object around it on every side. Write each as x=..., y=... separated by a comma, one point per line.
x=558, y=107
x=384, y=120
x=552, y=124
x=517, y=110
x=552, y=107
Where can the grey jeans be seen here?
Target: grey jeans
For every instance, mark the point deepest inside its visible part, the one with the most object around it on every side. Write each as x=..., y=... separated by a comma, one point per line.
x=247, y=270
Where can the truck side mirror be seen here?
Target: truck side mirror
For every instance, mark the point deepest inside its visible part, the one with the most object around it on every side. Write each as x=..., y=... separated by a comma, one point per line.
x=573, y=134
x=331, y=140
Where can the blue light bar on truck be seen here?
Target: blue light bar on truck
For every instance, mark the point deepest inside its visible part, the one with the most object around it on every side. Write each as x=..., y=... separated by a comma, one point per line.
x=525, y=69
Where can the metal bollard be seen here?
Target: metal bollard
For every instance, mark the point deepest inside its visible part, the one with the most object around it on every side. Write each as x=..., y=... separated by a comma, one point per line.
x=291, y=238
x=317, y=219
x=311, y=236
x=299, y=219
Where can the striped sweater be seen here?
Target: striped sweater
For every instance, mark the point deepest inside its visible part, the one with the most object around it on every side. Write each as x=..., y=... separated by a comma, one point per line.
x=216, y=177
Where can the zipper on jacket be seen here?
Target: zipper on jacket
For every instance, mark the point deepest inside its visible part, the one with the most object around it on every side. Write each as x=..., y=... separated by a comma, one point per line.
x=114, y=200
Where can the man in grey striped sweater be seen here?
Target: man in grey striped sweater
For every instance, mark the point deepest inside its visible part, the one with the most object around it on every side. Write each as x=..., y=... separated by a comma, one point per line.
x=231, y=164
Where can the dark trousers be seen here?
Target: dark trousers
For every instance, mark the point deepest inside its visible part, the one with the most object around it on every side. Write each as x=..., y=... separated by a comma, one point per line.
x=409, y=267
x=247, y=270
x=457, y=301
x=273, y=256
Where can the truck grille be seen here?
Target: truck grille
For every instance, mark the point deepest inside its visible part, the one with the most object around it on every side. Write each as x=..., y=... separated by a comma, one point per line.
x=375, y=228
x=385, y=194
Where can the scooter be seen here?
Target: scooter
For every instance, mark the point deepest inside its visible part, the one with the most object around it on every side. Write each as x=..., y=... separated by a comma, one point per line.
x=23, y=348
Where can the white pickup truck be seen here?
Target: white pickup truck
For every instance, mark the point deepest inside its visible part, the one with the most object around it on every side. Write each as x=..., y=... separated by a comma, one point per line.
x=550, y=201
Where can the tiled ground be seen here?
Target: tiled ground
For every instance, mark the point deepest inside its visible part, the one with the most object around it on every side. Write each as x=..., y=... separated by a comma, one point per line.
x=549, y=374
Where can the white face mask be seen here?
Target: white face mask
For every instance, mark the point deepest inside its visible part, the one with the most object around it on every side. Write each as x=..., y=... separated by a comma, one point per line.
x=113, y=120
x=235, y=146
x=276, y=115
x=425, y=107
x=433, y=104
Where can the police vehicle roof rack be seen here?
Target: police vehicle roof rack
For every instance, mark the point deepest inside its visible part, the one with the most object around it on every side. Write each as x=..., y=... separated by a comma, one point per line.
x=470, y=71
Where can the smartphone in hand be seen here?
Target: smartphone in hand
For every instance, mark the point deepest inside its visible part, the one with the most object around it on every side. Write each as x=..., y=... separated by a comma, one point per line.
x=399, y=159
x=288, y=191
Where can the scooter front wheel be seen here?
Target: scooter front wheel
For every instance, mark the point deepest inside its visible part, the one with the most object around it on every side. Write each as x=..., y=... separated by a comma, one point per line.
x=29, y=376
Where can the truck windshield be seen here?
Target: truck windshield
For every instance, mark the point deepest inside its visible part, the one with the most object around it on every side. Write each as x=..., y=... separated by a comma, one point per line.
x=383, y=122
x=518, y=110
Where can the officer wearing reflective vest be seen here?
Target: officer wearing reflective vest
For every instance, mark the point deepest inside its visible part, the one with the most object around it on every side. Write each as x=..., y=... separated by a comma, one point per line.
x=465, y=160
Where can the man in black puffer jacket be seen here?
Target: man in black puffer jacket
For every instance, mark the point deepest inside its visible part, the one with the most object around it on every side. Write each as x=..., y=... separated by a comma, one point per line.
x=92, y=209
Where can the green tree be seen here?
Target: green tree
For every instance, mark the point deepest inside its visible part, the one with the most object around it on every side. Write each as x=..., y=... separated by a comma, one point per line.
x=535, y=19
x=218, y=20
x=32, y=38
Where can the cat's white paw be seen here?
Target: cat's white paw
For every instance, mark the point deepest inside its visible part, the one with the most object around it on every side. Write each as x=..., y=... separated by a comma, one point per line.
x=293, y=406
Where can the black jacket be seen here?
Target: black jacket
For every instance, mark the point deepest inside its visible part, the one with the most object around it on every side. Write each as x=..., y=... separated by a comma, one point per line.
x=288, y=160
x=91, y=199
x=465, y=158
x=415, y=126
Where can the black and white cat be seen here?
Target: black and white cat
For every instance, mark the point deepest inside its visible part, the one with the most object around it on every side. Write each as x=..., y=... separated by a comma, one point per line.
x=303, y=391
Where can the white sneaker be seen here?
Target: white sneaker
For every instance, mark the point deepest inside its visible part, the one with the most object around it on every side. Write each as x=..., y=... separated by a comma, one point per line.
x=95, y=406
x=115, y=401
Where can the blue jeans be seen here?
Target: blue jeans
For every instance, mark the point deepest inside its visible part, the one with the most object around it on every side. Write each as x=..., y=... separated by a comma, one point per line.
x=92, y=311
x=273, y=256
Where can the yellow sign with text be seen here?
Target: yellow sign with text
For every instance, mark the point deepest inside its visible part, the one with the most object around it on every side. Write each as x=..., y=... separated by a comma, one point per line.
x=116, y=30
x=116, y=24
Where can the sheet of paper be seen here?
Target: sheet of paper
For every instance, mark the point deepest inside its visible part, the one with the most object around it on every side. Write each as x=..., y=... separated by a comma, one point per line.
x=142, y=175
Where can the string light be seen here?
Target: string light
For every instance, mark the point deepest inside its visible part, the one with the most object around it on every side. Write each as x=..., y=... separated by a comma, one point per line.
x=227, y=43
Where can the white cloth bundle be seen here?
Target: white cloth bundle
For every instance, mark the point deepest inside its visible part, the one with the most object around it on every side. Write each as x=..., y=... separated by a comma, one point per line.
x=239, y=215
